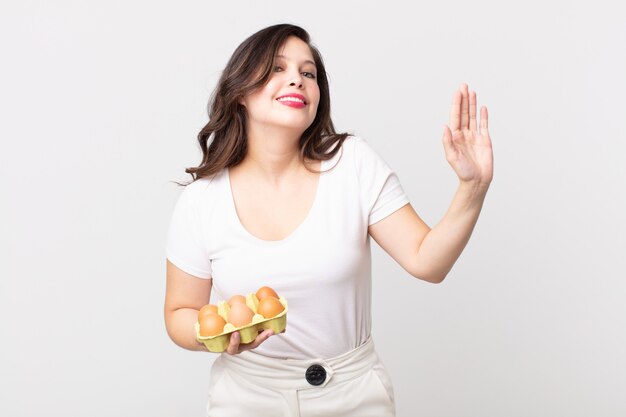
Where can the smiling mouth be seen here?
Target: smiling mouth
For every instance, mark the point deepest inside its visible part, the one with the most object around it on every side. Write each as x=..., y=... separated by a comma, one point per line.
x=291, y=99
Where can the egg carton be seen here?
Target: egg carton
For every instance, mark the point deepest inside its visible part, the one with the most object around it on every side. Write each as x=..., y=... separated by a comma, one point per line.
x=249, y=332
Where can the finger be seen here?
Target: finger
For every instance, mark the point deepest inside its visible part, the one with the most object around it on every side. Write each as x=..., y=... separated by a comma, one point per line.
x=472, y=111
x=265, y=335
x=484, y=120
x=464, y=107
x=261, y=337
x=233, y=346
x=455, y=111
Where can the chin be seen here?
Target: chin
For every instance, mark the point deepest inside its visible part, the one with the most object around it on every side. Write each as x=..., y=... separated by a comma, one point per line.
x=292, y=124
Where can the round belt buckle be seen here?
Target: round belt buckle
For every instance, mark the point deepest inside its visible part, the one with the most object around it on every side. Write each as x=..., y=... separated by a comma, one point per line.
x=315, y=375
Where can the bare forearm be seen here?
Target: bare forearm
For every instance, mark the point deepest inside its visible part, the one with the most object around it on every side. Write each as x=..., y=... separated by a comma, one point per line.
x=180, y=327
x=443, y=245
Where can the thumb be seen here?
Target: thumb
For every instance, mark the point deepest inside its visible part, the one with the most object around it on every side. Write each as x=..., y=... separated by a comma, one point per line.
x=447, y=142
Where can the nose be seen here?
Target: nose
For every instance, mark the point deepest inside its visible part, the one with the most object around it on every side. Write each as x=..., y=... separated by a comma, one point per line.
x=296, y=80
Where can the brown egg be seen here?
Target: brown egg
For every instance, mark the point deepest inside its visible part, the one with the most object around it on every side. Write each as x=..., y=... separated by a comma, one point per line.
x=236, y=299
x=270, y=307
x=207, y=309
x=211, y=325
x=265, y=292
x=240, y=315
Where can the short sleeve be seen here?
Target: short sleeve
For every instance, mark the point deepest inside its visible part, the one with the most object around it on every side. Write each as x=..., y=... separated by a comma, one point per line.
x=381, y=191
x=186, y=247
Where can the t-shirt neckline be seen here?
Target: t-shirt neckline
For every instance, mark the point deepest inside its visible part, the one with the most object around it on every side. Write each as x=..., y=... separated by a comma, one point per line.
x=307, y=219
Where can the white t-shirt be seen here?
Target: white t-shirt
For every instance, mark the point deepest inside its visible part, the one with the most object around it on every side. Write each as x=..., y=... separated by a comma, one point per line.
x=323, y=269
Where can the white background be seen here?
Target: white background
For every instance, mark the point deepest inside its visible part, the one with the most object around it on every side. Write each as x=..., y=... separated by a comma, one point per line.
x=100, y=105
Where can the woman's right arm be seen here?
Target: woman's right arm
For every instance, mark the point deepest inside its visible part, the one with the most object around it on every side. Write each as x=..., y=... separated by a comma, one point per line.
x=185, y=295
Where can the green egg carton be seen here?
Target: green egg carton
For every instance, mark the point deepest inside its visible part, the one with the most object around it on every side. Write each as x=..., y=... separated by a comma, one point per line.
x=248, y=333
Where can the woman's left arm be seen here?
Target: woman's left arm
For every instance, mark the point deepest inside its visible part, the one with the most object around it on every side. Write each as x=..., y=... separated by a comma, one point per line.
x=426, y=253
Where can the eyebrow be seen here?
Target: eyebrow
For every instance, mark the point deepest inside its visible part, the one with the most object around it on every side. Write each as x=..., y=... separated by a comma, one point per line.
x=307, y=61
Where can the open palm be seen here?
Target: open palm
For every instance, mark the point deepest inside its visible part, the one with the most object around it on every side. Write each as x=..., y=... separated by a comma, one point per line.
x=466, y=143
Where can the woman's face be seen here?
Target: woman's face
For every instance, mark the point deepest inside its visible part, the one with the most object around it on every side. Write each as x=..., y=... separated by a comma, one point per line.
x=290, y=98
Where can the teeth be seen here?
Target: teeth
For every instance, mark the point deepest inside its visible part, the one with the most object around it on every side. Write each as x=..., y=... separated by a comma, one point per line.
x=291, y=99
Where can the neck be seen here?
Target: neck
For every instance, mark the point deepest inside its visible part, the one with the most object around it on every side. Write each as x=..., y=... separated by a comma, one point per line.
x=273, y=153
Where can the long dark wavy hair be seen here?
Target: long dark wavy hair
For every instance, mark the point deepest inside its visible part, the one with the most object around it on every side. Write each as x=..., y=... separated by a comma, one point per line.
x=224, y=138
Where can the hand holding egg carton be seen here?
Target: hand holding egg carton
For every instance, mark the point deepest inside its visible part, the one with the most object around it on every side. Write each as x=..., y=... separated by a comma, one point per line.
x=248, y=315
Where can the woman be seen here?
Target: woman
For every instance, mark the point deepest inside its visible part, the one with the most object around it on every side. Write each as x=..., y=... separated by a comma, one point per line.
x=280, y=199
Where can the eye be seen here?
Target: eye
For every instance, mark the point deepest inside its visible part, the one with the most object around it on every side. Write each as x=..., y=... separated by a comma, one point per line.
x=309, y=75
x=277, y=68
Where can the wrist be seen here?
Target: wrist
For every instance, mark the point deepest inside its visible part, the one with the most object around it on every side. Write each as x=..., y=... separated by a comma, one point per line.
x=469, y=197
x=474, y=187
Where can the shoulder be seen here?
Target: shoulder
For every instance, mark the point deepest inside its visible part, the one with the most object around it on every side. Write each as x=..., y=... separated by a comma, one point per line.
x=203, y=190
x=352, y=142
x=207, y=184
x=353, y=148
x=360, y=152
x=358, y=146
x=355, y=154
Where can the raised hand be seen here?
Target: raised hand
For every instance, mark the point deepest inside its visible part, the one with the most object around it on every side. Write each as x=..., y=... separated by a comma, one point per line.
x=466, y=143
